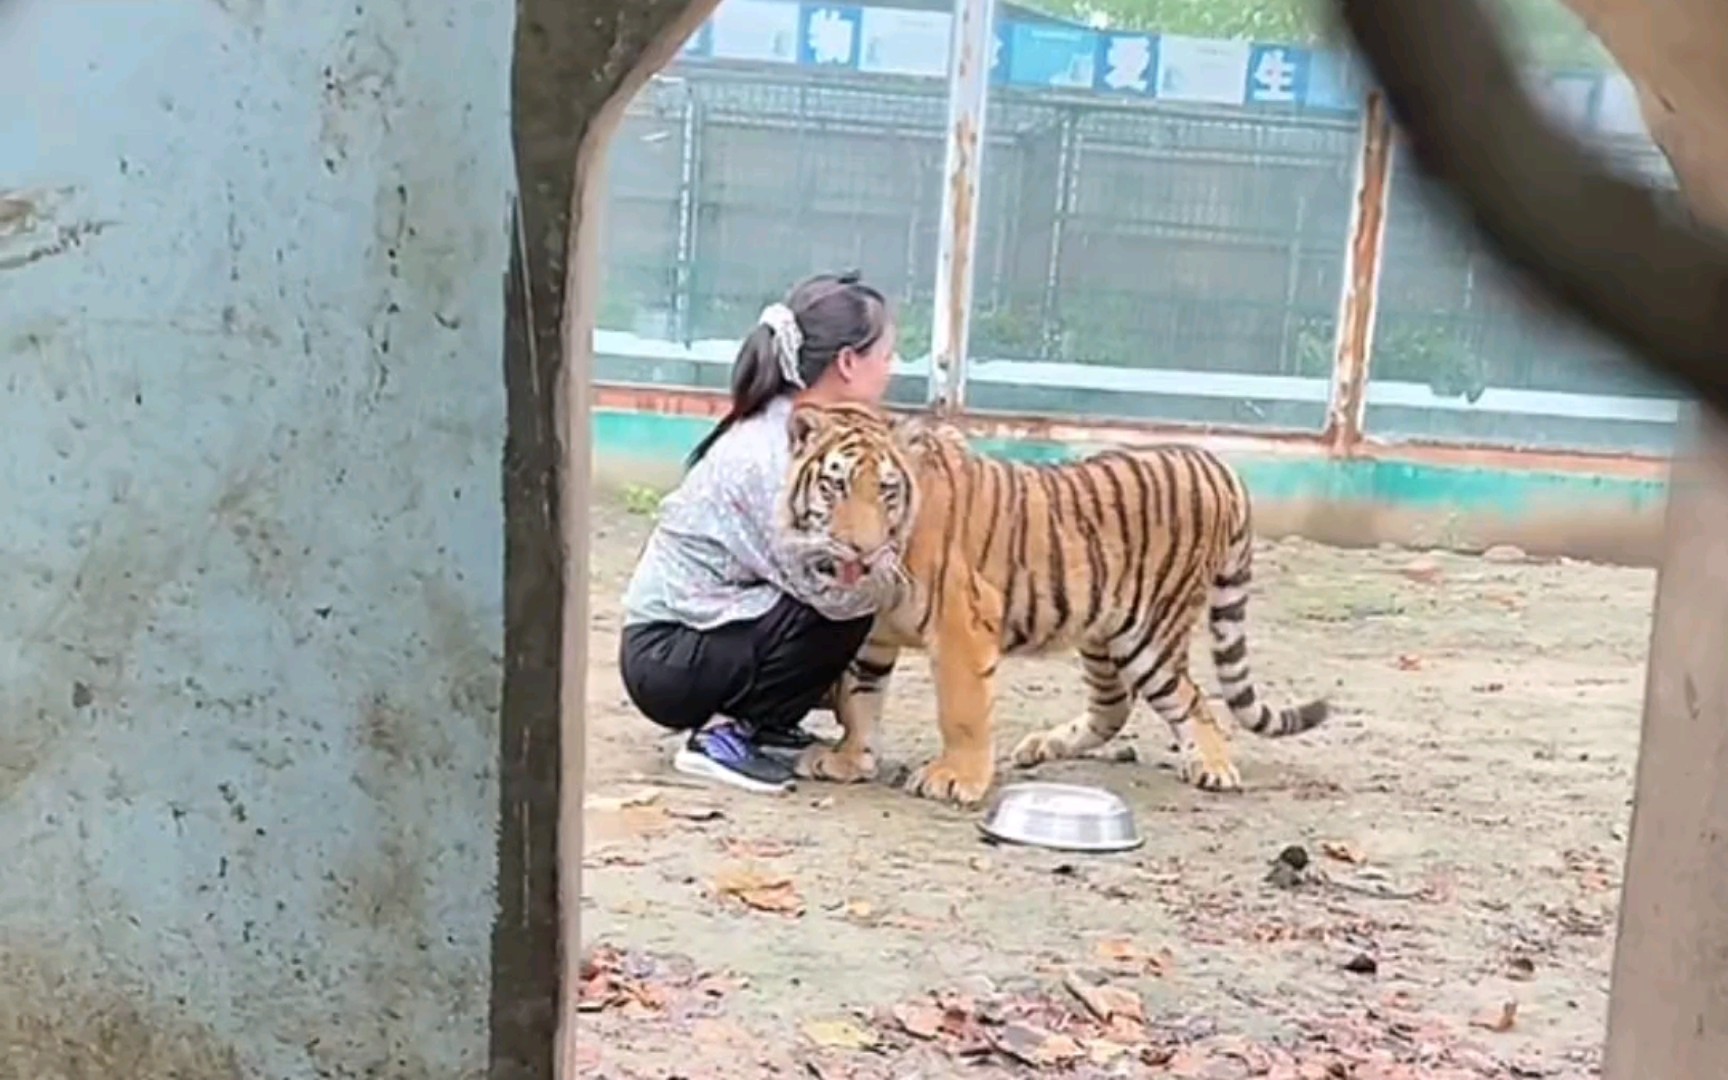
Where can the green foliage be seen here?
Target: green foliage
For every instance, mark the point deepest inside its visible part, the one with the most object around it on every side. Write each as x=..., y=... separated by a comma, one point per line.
x=1429, y=350
x=1423, y=349
x=1007, y=332
x=1548, y=31
x=913, y=321
x=1316, y=346
x=1015, y=330
x=642, y=500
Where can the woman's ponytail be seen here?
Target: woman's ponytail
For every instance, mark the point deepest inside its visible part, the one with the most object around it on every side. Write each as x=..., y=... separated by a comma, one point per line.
x=756, y=380
x=794, y=342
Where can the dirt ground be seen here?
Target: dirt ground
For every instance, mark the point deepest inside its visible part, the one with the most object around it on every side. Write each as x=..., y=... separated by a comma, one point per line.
x=1464, y=811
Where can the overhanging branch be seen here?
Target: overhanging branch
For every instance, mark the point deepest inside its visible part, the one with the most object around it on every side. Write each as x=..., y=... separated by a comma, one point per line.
x=1604, y=248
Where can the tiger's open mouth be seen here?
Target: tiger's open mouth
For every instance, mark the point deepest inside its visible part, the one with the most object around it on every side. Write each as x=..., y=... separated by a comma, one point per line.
x=847, y=572
x=848, y=568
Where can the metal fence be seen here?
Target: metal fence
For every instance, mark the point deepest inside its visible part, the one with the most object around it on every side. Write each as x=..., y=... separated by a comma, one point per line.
x=1136, y=260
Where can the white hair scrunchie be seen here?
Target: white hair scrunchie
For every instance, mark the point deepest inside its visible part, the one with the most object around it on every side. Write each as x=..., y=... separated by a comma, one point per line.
x=788, y=340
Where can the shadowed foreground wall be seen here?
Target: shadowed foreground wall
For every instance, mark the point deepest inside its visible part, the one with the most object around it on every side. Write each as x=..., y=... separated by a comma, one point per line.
x=252, y=418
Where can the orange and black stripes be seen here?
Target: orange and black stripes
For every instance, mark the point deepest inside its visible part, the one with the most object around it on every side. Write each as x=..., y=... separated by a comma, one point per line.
x=1114, y=556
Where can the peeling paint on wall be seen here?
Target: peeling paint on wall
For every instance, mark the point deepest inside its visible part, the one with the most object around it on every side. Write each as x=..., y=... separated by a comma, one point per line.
x=29, y=231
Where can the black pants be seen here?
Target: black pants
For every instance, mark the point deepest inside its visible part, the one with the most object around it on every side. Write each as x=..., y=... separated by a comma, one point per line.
x=768, y=672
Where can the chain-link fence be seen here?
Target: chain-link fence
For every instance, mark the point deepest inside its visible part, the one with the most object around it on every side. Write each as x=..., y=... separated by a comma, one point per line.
x=1135, y=259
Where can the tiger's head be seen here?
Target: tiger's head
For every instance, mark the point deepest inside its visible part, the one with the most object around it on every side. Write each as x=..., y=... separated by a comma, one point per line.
x=851, y=500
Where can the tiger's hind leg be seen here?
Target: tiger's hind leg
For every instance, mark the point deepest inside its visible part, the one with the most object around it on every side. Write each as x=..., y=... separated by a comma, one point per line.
x=858, y=707
x=1107, y=707
x=1205, y=749
x=1156, y=668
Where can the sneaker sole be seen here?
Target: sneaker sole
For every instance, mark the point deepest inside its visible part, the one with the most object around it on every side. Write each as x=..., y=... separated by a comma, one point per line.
x=691, y=763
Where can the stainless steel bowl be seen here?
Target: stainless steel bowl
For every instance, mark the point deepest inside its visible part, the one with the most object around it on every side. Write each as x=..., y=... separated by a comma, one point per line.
x=1067, y=817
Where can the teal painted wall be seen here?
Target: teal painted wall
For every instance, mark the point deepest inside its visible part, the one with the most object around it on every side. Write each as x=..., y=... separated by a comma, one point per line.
x=658, y=442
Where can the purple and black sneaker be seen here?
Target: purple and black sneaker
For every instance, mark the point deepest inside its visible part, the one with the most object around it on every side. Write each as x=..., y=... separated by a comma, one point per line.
x=726, y=752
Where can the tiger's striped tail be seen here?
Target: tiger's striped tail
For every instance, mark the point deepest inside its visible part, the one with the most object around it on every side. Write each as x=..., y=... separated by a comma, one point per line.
x=1227, y=619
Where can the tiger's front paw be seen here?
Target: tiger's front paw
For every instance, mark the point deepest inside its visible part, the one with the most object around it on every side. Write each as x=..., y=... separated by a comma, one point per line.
x=836, y=764
x=1039, y=747
x=948, y=781
x=1209, y=775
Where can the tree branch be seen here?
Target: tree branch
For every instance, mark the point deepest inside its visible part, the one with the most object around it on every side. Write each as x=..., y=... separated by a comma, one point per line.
x=1602, y=247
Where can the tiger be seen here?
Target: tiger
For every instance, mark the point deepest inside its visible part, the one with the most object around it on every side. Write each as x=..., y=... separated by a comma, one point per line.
x=1111, y=556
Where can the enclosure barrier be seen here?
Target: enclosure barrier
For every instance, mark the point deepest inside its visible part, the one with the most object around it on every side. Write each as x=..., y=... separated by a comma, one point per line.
x=1260, y=274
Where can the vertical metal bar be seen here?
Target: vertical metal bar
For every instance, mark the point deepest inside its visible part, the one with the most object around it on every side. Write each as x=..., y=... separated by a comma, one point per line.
x=914, y=158
x=969, y=56
x=689, y=182
x=1292, y=288
x=1067, y=165
x=1361, y=290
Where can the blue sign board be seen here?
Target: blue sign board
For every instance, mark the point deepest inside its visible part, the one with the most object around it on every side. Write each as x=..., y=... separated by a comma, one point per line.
x=1056, y=55
x=828, y=35
x=1277, y=75
x=1049, y=55
x=1126, y=64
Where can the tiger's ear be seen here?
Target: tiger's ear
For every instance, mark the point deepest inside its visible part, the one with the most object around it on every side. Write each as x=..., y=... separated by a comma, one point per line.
x=806, y=422
x=906, y=429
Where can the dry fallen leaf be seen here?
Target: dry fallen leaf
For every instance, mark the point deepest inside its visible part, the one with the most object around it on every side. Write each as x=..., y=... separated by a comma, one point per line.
x=1127, y=957
x=1126, y=1030
x=1036, y=1046
x=839, y=1034
x=1343, y=851
x=605, y=986
x=1103, y=1000
x=919, y=1021
x=764, y=892
x=755, y=849
x=1502, y=1021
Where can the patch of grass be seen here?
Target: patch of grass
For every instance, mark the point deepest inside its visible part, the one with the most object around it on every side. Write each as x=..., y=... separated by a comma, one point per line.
x=642, y=500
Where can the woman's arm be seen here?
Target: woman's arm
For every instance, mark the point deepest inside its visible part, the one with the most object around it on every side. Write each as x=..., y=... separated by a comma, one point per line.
x=753, y=488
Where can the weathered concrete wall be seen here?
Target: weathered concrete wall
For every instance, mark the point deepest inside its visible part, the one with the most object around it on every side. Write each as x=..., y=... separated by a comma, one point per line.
x=252, y=416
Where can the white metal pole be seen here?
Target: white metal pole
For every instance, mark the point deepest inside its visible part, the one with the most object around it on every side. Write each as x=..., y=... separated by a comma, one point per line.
x=971, y=48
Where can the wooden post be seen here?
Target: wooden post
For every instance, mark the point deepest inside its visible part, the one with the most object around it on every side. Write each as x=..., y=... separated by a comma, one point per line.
x=1668, y=1014
x=577, y=64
